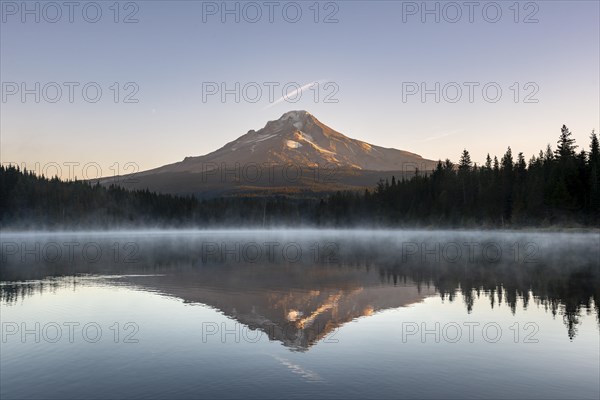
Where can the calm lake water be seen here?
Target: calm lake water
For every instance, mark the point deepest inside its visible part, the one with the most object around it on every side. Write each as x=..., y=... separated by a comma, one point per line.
x=300, y=314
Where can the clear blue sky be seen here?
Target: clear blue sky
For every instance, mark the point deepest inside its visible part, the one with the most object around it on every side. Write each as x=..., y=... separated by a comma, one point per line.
x=368, y=54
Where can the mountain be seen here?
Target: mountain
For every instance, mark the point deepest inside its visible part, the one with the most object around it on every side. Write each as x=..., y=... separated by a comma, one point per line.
x=292, y=155
x=300, y=139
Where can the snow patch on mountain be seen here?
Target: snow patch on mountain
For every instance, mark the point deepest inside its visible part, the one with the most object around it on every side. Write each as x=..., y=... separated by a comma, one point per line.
x=308, y=139
x=295, y=115
x=253, y=141
x=306, y=136
x=292, y=144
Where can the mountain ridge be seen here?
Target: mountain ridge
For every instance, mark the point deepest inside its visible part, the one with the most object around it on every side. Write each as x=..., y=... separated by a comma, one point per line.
x=299, y=138
x=294, y=154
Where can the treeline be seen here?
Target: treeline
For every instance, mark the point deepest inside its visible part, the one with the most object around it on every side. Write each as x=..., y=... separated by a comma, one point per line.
x=28, y=201
x=560, y=187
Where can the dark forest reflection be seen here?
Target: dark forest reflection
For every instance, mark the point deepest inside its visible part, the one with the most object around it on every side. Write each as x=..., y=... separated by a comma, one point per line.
x=298, y=297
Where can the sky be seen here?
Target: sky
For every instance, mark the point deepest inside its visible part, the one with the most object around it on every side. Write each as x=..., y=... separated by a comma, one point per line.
x=182, y=78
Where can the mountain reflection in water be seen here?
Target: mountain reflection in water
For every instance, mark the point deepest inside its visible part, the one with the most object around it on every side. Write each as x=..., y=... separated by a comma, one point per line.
x=338, y=277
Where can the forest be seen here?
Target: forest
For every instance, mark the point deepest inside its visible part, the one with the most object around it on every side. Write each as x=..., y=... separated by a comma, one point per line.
x=556, y=188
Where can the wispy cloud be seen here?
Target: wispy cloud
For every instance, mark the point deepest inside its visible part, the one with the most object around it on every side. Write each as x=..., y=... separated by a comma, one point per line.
x=293, y=93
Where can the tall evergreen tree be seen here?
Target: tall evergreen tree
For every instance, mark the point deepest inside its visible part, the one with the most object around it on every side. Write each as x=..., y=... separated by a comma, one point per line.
x=549, y=154
x=594, y=177
x=465, y=163
x=488, y=162
x=566, y=145
x=496, y=164
x=594, y=155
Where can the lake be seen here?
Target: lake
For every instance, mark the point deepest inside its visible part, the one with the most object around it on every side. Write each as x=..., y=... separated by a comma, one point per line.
x=300, y=314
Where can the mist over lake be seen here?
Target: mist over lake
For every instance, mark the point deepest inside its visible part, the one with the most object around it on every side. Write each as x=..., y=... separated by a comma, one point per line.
x=307, y=313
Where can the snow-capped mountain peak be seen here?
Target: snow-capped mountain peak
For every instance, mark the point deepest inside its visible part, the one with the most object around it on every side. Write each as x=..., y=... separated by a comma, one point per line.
x=295, y=115
x=299, y=138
